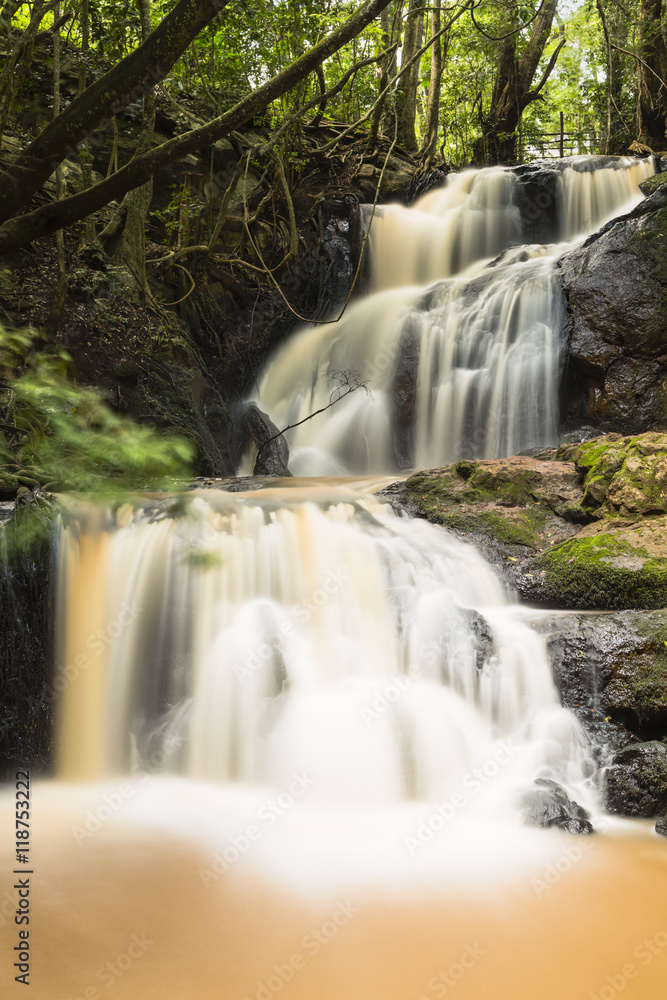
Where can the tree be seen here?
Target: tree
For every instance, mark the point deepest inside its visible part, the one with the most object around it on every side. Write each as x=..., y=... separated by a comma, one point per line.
x=513, y=88
x=406, y=95
x=126, y=82
x=435, y=83
x=652, y=104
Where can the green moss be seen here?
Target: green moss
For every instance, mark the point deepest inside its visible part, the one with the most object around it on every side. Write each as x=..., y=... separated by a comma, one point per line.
x=587, y=573
x=518, y=528
x=652, y=184
x=652, y=688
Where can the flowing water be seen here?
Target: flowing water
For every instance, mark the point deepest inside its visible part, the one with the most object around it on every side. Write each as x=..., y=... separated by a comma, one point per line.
x=460, y=353
x=298, y=732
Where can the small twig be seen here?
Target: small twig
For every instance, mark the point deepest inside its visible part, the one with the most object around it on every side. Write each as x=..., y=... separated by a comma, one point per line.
x=353, y=381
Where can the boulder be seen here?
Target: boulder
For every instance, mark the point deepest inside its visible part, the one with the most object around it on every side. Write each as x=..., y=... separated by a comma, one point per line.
x=611, y=671
x=252, y=424
x=661, y=826
x=635, y=784
x=584, y=527
x=615, y=288
x=548, y=804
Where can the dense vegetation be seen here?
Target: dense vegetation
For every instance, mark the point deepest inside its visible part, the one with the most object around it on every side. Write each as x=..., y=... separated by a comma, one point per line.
x=276, y=105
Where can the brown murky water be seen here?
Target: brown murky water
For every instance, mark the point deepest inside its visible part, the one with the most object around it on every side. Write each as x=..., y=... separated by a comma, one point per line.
x=131, y=912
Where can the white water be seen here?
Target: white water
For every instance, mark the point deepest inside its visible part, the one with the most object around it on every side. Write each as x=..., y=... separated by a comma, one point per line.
x=463, y=366
x=326, y=637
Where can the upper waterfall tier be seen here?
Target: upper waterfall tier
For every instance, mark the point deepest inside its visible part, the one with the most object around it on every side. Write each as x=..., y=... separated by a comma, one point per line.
x=458, y=343
x=479, y=213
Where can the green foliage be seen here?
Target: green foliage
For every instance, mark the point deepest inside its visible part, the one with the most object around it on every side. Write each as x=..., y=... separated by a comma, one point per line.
x=64, y=436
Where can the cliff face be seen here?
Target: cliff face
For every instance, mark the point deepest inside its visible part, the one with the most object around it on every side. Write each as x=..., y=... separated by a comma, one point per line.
x=615, y=287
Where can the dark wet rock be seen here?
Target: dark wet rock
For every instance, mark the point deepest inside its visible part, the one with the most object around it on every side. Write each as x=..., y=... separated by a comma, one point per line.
x=27, y=623
x=538, y=196
x=548, y=805
x=635, y=783
x=661, y=826
x=580, y=434
x=404, y=393
x=482, y=634
x=252, y=425
x=341, y=244
x=615, y=288
x=421, y=184
x=611, y=671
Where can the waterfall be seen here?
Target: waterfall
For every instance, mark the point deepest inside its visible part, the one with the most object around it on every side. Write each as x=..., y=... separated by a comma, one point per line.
x=308, y=631
x=458, y=341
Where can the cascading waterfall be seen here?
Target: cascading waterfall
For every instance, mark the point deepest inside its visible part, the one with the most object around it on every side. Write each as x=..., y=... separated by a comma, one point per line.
x=299, y=733
x=291, y=631
x=310, y=628
x=460, y=354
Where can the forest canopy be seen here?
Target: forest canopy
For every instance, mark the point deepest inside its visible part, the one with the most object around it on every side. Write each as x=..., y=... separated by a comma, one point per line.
x=481, y=80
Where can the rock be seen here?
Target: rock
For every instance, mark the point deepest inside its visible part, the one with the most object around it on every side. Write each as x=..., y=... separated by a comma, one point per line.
x=421, y=184
x=622, y=475
x=623, y=567
x=520, y=501
x=611, y=671
x=341, y=244
x=404, y=393
x=636, y=782
x=661, y=826
x=652, y=184
x=615, y=288
x=537, y=196
x=584, y=527
x=254, y=425
x=549, y=805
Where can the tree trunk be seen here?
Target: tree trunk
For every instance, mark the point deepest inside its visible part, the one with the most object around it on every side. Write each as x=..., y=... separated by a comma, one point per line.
x=21, y=231
x=124, y=83
x=85, y=157
x=652, y=76
x=433, y=103
x=406, y=94
x=384, y=80
x=60, y=295
x=130, y=251
x=512, y=91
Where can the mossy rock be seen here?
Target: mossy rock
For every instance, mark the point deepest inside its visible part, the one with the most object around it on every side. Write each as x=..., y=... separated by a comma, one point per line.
x=625, y=475
x=9, y=484
x=625, y=567
x=652, y=184
x=512, y=501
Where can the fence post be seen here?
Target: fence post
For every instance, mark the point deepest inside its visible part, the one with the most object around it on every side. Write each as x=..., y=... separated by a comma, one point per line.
x=562, y=135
